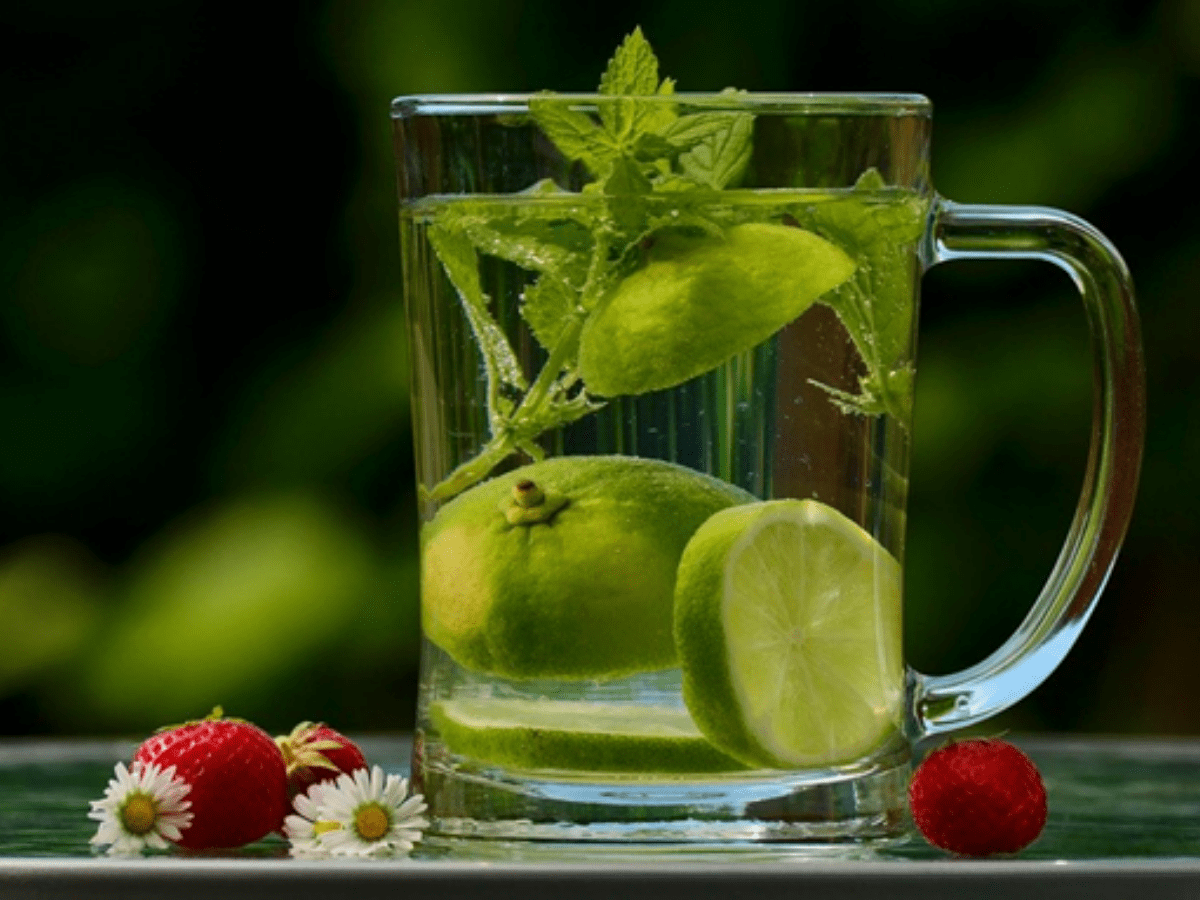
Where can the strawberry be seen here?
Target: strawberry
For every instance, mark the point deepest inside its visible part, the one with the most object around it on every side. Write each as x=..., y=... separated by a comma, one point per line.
x=978, y=797
x=315, y=752
x=237, y=775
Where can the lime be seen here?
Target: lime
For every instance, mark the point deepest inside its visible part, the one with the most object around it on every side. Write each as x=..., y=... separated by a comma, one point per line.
x=699, y=300
x=564, y=568
x=596, y=737
x=787, y=618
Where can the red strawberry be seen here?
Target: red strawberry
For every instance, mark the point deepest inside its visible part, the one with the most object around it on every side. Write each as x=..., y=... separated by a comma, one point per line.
x=237, y=775
x=978, y=797
x=315, y=752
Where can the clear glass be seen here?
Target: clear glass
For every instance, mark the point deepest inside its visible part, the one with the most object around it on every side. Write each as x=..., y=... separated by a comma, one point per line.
x=551, y=704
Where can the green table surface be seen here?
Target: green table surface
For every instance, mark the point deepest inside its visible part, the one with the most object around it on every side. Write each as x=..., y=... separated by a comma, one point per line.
x=1124, y=822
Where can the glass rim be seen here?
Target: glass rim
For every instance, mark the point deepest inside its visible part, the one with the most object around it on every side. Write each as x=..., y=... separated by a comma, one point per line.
x=796, y=103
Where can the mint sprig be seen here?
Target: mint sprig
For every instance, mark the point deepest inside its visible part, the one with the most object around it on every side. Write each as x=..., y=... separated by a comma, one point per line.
x=634, y=147
x=640, y=146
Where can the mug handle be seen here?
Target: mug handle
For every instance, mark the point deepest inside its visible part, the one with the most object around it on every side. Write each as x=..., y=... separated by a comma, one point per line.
x=941, y=703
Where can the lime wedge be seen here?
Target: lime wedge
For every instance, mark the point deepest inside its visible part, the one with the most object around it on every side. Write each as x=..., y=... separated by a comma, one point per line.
x=787, y=622
x=595, y=737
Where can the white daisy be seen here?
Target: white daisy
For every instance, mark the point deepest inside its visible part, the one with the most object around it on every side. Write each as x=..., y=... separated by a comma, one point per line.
x=363, y=814
x=141, y=808
x=303, y=830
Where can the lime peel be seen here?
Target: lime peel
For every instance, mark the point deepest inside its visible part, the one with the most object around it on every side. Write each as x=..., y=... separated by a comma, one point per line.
x=565, y=735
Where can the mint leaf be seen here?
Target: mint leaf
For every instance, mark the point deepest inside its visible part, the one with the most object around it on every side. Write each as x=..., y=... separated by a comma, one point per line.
x=628, y=117
x=626, y=178
x=625, y=189
x=633, y=69
x=657, y=115
x=545, y=243
x=684, y=220
x=670, y=183
x=545, y=187
x=461, y=265
x=651, y=148
x=876, y=306
x=574, y=132
x=718, y=159
x=628, y=123
x=548, y=307
x=688, y=131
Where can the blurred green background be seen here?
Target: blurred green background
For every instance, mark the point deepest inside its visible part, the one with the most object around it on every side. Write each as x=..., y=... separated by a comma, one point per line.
x=205, y=459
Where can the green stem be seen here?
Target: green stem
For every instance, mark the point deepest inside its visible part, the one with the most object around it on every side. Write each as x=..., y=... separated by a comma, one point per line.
x=474, y=469
x=550, y=371
x=510, y=435
x=507, y=433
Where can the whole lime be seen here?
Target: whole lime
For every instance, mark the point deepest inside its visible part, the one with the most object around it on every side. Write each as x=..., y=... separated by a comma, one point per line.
x=697, y=301
x=564, y=568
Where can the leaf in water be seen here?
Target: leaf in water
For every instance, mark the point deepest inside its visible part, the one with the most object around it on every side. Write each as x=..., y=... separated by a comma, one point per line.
x=461, y=264
x=720, y=158
x=870, y=180
x=688, y=131
x=544, y=187
x=865, y=403
x=684, y=220
x=548, y=306
x=650, y=147
x=540, y=244
x=626, y=178
x=890, y=394
x=625, y=189
x=876, y=306
x=674, y=184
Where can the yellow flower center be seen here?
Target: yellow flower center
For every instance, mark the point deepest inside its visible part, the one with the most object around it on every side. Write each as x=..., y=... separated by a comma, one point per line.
x=139, y=814
x=323, y=825
x=371, y=822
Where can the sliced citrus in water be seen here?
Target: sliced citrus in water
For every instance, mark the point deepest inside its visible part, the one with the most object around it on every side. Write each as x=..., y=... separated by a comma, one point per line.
x=564, y=568
x=594, y=737
x=698, y=301
x=787, y=621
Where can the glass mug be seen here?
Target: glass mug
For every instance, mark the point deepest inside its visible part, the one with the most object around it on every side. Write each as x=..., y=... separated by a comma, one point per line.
x=662, y=402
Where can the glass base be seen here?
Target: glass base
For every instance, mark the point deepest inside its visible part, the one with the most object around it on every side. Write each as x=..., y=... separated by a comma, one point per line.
x=852, y=804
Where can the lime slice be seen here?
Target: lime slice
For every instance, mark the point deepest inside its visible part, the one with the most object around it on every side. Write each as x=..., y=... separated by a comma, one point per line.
x=594, y=737
x=787, y=622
